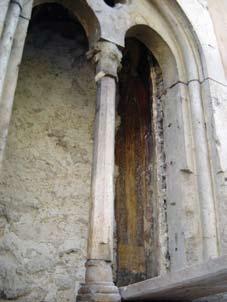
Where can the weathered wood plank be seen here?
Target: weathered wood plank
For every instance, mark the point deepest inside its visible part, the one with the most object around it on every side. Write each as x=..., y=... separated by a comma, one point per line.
x=191, y=283
x=133, y=150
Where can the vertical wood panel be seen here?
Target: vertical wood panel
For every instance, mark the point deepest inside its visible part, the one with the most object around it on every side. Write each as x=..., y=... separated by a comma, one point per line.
x=133, y=158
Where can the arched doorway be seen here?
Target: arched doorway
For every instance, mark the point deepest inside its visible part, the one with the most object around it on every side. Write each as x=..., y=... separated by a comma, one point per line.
x=45, y=180
x=167, y=33
x=176, y=203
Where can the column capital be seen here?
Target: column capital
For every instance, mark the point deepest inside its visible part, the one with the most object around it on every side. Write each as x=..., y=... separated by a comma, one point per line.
x=107, y=57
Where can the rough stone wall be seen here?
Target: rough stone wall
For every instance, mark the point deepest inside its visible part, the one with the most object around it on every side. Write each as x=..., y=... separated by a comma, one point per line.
x=45, y=181
x=161, y=250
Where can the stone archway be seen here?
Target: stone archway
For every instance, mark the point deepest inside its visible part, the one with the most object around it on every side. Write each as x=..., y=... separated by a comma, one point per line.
x=15, y=18
x=192, y=227
x=183, y=108
x=188, y=231
x=47, y=165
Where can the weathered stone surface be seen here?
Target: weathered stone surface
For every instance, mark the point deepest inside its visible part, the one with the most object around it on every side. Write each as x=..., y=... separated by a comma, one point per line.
x=44, y=202
x=45, y=178
x=218, y=12
x=3, y=8
x=11, y=76
x=10, y=26
x=184, y=285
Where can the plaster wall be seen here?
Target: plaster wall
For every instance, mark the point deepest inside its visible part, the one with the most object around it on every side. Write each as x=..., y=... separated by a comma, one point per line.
x=45, y=178
x=218, y=11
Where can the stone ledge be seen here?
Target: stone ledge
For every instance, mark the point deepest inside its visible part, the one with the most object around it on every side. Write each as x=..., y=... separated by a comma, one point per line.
x=191, y=283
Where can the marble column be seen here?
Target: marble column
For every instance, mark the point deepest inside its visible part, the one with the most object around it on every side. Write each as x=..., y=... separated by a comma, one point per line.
x=99, y=284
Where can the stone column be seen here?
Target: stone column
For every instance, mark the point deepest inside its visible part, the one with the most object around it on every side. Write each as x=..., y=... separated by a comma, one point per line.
x=12, y=18
x=99, y=278
x=9, y=66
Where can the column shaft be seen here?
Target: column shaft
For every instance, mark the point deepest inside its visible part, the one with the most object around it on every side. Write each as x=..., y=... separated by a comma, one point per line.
x=4, y=5
x=205, y=186
x=100, y=244
x=6, y=41
x=10, y=82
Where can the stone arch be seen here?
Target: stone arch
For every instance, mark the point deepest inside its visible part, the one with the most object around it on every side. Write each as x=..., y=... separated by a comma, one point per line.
x=159, y=48
x=83, y=13
x=191, y=212
x=177, y=41
x=13, y=50
x=194, y=192
x=72, y=77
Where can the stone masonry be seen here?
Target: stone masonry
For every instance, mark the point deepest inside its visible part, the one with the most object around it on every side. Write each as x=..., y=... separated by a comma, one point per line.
x=60, y=90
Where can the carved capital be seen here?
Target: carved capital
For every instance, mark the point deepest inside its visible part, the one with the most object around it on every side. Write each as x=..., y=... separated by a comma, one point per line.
x=107, y=58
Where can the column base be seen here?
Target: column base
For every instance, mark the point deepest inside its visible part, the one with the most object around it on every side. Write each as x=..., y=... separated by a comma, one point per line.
x=98, y=286
x=98, y=292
